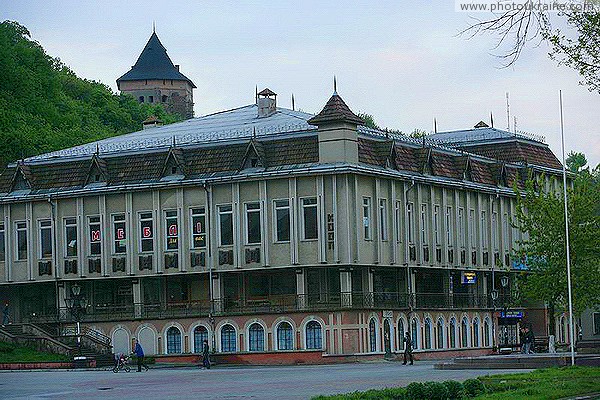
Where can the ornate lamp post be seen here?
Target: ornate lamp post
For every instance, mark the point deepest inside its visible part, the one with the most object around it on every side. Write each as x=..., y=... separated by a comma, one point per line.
x=504, y=283
x=494, y=295
x=77, y=305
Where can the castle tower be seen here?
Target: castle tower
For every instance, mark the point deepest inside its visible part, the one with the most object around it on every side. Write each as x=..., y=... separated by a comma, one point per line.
x=155, y=79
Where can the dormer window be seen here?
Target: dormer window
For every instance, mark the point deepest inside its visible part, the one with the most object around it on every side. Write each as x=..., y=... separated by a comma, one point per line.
x=174, y=170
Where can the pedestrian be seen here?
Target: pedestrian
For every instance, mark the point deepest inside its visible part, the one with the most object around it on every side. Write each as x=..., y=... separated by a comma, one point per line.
x=5, y=314
x=529, y=332
x=205, y=354
x=139, y=353
x=527, y=337
x=408, y=349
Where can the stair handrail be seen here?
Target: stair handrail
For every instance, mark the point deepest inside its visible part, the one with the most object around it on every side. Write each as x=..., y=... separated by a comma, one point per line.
x=96, y=335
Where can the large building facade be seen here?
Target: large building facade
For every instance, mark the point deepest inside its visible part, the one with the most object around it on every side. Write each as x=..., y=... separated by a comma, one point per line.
x=271, y=231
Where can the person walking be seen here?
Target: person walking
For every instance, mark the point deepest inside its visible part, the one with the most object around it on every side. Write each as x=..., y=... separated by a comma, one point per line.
x=139, y=353
x=5, y=315
x=408, y=349
x=529, y=333
x=205, y=354
x=527, y=338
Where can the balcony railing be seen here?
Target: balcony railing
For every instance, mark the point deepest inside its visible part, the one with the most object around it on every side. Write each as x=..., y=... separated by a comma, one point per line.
x=269, y=304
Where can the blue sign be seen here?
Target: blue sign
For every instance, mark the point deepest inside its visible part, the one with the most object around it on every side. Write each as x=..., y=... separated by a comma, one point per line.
x=511, y=314
x=468, y=277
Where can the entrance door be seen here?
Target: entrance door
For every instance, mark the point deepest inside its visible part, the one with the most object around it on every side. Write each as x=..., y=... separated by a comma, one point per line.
x=387, y=336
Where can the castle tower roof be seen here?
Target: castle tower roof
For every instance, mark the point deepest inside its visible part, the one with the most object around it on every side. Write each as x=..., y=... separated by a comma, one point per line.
x=154, y=63
x=335, y=110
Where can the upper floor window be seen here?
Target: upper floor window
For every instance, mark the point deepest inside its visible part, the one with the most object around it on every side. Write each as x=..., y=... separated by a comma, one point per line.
x=383, y=219
x=424, y=224
x=366, y=218
x=95, y=237
x=198, y=228
x=45, y=227
x=146, y=232
x=172, y=230
x=119, y=234
x=225, y=225
x=505, y=230
x=21, y=228
x=2, y=241
x=410, y=222
x=495, y=230
x=449, y=230
x=70, y=237
x=397, y=222
x=472, y=227
x=141, y=99
x=461, y=226
x=253, y=235
x=309, y=218
x=484, y=229
x=282, y=220
x=436, y=224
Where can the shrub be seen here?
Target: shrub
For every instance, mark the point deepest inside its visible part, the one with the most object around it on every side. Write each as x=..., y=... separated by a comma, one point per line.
x=415, y=391
x=473, y=387
x=455, y=389
x=436, y=391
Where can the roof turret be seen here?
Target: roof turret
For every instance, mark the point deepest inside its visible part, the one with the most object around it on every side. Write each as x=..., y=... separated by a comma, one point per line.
x=335, y=110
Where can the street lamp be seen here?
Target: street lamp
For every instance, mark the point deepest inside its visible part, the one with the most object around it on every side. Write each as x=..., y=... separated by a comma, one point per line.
x=494, y=295
x=77, y=305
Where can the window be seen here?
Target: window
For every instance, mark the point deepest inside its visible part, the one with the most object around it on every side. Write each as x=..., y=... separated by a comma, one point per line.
x=452, y=333
x=282, y=220
x=414, y=333
x=505, y=231
x=495, y=230
x=366, y=218
x=486, y=332
x=2, y=243
x=597, y=323
x=200, y=335
x=164, y=98
x=472, y=227
x=484, y=230
x=372, y=336
x=397, y=226
x=383, y=219
x=285, y=336
x=95, y=239
x=146, y=231
x=436, y=224
x=410, y=220
x=465, y=333
x=21, y=228
x=45, y=228
x=309, y=218
x=424, y=223
x=401, y=334
x=253, y=223
x=70, y=237
x=427, y=344
x=173, y=340
x=256, y=337
x=440, y=334
x=150, y=99
x=198, y=228
x=228, y=342
x=172, y=230
x=461, y=227
x=119, y=234
x=225, y=225
x=314, y=337
x=449, y=230
x=141, y=99
x=475, y=332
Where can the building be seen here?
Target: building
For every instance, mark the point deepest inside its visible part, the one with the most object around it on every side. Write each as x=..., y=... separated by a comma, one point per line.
x=278, y=235
x=155, y=79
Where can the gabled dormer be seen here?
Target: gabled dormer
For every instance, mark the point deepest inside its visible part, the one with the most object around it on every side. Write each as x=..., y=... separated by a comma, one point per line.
x=254, y=156
x=464, y=167
x=97, y=172
x=390, y=161
x=22, y=179
x=174, y=165
x=427, y=161
x=502, y=176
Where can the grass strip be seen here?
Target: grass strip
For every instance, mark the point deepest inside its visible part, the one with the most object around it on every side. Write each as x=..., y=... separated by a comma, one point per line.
x=13, y=353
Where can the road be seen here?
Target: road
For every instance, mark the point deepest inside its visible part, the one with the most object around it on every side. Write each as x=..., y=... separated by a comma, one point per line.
x=285, y=382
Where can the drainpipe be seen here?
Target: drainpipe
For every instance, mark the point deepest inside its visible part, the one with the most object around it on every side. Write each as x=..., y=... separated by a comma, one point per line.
x=208, y=258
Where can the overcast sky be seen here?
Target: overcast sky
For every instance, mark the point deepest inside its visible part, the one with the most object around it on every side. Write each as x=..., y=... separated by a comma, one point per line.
x=401, y=62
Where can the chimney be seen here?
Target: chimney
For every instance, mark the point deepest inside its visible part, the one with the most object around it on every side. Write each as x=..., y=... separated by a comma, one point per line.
x=177, y=66
x=266, y=100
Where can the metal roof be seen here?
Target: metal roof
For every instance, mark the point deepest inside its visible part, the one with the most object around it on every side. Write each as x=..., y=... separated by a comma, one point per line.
x=480, y=134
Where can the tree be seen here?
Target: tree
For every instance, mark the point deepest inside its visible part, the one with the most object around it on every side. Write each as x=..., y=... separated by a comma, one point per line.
x=576, y=161
x=369, y=120
x=577, y=45
x=540, y=215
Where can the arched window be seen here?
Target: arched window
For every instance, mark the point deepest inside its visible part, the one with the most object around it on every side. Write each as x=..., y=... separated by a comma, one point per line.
x=313, y=335
x=372, y=336
x=465, y=332
x=486, y=332
x=452, y=333
x=285, y=336
x=256, y=337
x=164, y=98
x=476, y=332
x=228, y=342
x=427, y=344
x=414, y=333
x=401, y=333
x=440, y=334
x=200, y=335
x=173, y=340
x=141, y=99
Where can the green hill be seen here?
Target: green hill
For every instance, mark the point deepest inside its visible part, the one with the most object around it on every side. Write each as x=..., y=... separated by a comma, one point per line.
x=44, y=106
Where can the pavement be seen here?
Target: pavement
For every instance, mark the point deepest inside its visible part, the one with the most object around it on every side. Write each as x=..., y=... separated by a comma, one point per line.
x=276, y=382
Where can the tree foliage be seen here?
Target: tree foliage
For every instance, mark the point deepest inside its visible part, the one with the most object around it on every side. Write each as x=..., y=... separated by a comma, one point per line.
x=45, y=106
x=540, y=215
x=577, y=45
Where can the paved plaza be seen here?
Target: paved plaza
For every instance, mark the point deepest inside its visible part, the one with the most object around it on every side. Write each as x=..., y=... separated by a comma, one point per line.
x=289, y=382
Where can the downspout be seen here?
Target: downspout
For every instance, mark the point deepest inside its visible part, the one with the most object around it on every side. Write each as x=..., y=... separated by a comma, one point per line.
x=208, y=259
x=54, y=250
